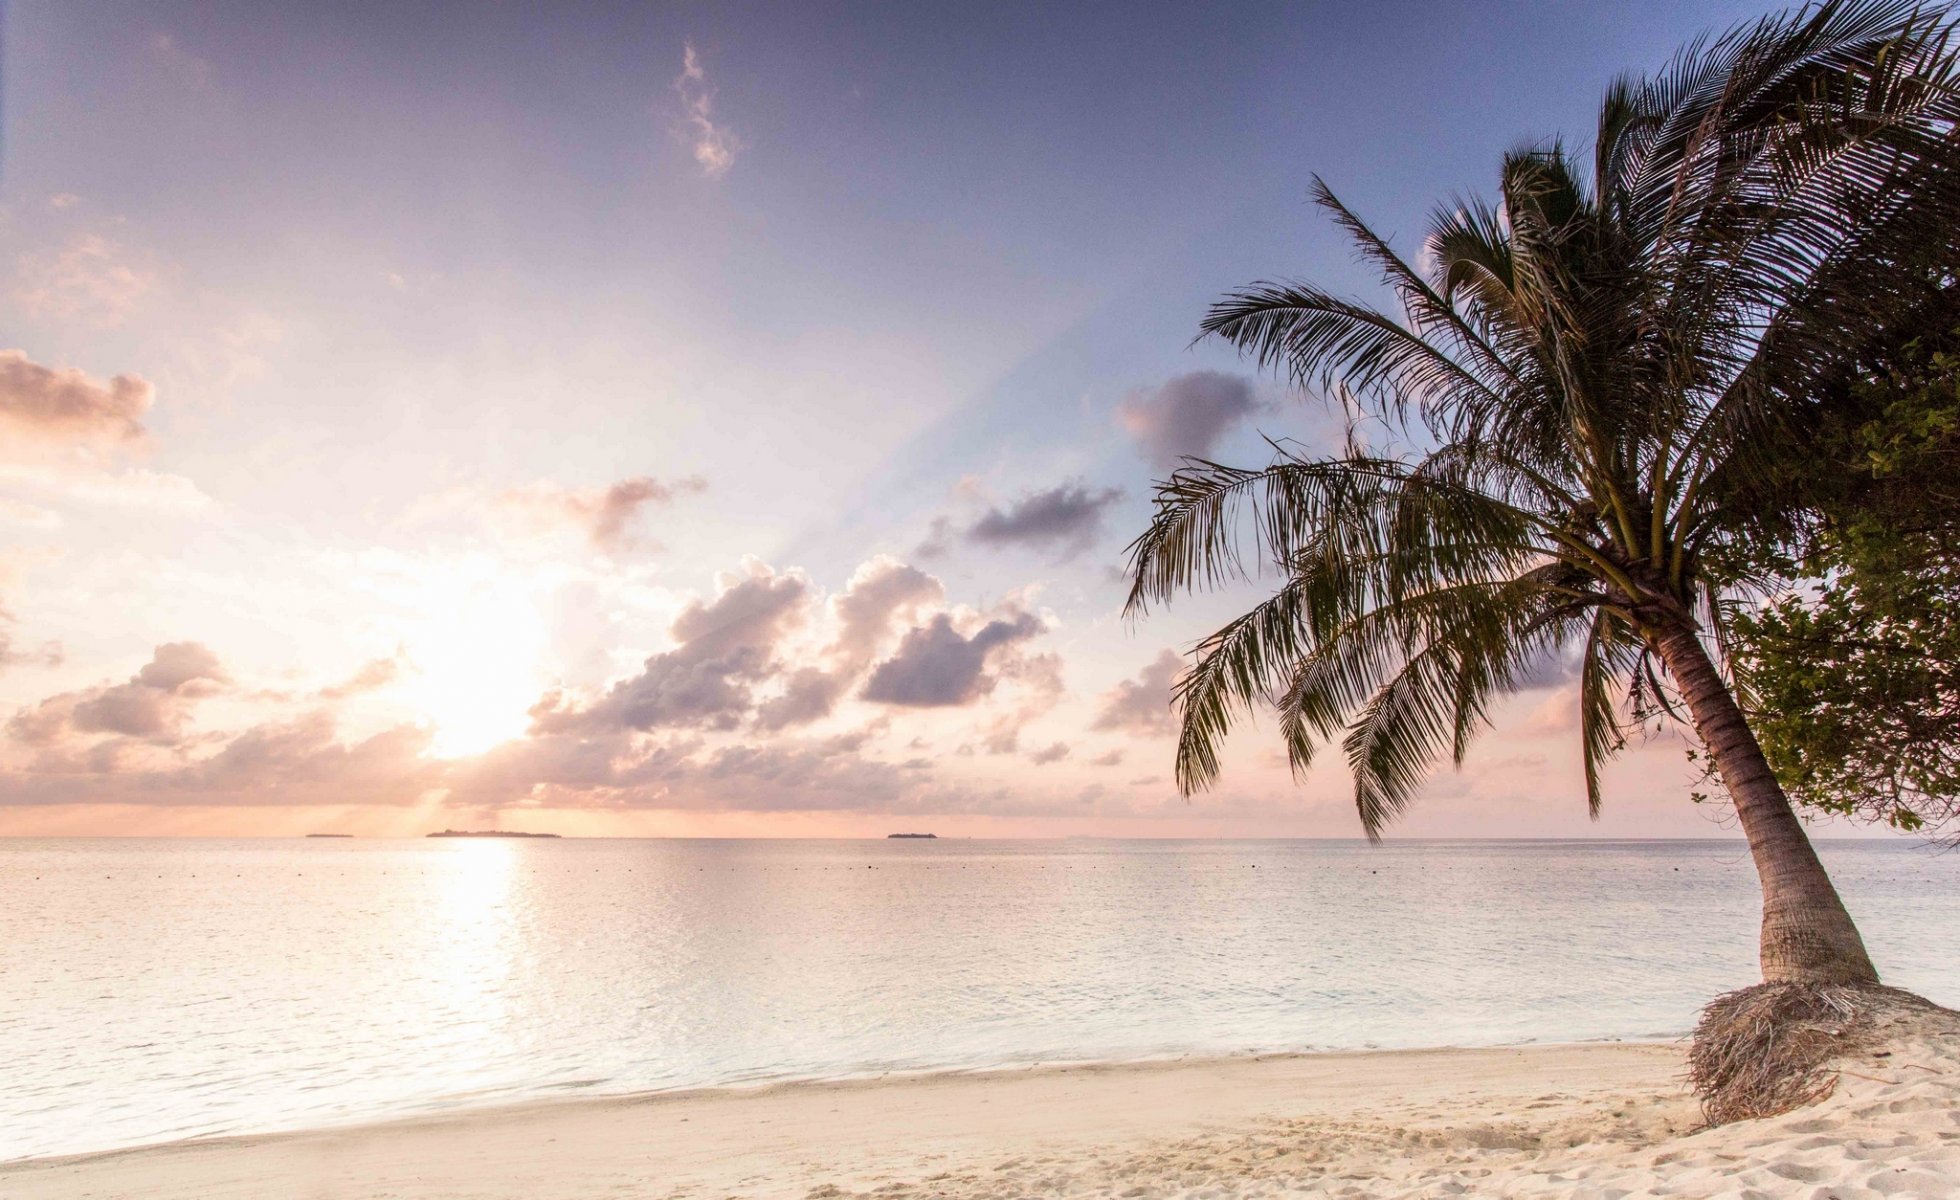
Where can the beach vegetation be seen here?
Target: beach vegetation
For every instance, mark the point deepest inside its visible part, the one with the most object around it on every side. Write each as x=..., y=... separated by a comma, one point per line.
x=1568, y=439
x=1851, y=672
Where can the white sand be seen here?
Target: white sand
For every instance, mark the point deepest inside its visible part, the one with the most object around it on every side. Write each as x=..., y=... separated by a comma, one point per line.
x=1564, y=1121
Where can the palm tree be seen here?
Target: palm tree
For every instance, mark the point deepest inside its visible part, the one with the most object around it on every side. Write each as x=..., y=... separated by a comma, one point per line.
x=1591, y=384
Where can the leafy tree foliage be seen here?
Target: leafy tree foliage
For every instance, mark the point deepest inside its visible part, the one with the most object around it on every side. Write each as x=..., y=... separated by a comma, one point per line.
x=1853, y=675
x=1601, y=371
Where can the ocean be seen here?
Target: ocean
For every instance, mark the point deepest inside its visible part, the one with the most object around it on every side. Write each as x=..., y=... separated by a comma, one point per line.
x=152, y=990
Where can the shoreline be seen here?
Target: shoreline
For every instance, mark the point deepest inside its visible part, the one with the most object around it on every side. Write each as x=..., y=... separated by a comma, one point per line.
x=791, y=1136
x=1571, y=1121
x=441, y=1113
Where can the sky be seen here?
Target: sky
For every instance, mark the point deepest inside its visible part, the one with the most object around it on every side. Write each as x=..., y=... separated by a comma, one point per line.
x=696, y=419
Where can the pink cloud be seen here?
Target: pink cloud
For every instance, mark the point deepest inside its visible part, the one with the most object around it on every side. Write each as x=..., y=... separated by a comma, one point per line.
x=1142, y=705
x=715, y=146
x=605, y=516
x=52, y=408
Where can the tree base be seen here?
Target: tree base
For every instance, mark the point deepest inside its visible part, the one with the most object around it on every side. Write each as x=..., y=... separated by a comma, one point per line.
x=1767, y=1049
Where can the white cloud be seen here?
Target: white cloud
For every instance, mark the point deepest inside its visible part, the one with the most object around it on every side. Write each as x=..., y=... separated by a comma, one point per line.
x=23, y=515
x=715, y=146
x=153, y=491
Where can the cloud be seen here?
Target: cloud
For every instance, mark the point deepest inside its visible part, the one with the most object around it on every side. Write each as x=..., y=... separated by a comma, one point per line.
x=727, y=646
x=182, y=667
x=130, y=710
x=372, y=676
x=153, y=705
x=304, y=762
x=781, y=774
x=555, y=766
x=1066, y=518
x=1557, y=669
x=809, y=695
x=22, y=515
x=1003, y=736
x=228, y=352
x=605, y=515
x=153, y=492
x=1051, y=754
x=1142, y=705
x=65, y=407
x=728, y=668
x=938, y=540
x=1186, y=416
x=879, y=590
x=937, y=666
x=715, y=145
x=879, y=593
x=787, y=776
x=1038, y=680
x=1111, y=759
x=1039, y=677
x=295, y=762
x=705, y=725
x=49, y=654
x=89, y=278
x=1556, y=715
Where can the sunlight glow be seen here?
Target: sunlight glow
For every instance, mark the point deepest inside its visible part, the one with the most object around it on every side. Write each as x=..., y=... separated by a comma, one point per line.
x=474, y=658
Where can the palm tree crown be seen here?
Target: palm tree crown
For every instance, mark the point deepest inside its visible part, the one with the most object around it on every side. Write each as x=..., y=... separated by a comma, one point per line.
x=1602, y=372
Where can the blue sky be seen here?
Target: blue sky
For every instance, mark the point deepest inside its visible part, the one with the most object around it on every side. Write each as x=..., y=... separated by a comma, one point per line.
x=484, y=343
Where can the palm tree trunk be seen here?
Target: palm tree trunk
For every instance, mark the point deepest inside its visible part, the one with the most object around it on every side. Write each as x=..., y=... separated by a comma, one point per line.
x=1808, y=937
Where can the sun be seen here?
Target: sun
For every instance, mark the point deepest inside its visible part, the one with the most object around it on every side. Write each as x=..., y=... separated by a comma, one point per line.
x=474, y=656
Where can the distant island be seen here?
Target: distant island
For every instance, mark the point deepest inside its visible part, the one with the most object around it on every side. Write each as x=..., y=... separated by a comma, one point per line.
x=489, y=833
x=911, y=835
x=329, y=835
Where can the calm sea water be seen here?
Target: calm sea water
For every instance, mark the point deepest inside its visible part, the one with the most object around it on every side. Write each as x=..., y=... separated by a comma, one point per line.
x=152, y=990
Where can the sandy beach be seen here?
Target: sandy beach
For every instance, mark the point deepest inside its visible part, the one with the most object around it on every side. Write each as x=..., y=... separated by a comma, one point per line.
x=1595, y=1120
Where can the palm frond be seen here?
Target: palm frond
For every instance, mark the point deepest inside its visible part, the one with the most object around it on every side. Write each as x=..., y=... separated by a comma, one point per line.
x=1609, y=362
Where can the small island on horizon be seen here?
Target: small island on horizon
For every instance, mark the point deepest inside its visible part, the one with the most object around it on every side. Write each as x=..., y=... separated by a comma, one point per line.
x=487, y=833
x=911, y=835
x=329, y=835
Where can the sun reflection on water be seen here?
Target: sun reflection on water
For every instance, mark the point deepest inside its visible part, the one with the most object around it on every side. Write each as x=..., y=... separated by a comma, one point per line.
x=473, y=943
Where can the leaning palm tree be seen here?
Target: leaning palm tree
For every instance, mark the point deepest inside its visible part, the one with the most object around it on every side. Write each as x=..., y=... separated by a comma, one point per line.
x=1581, y=414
